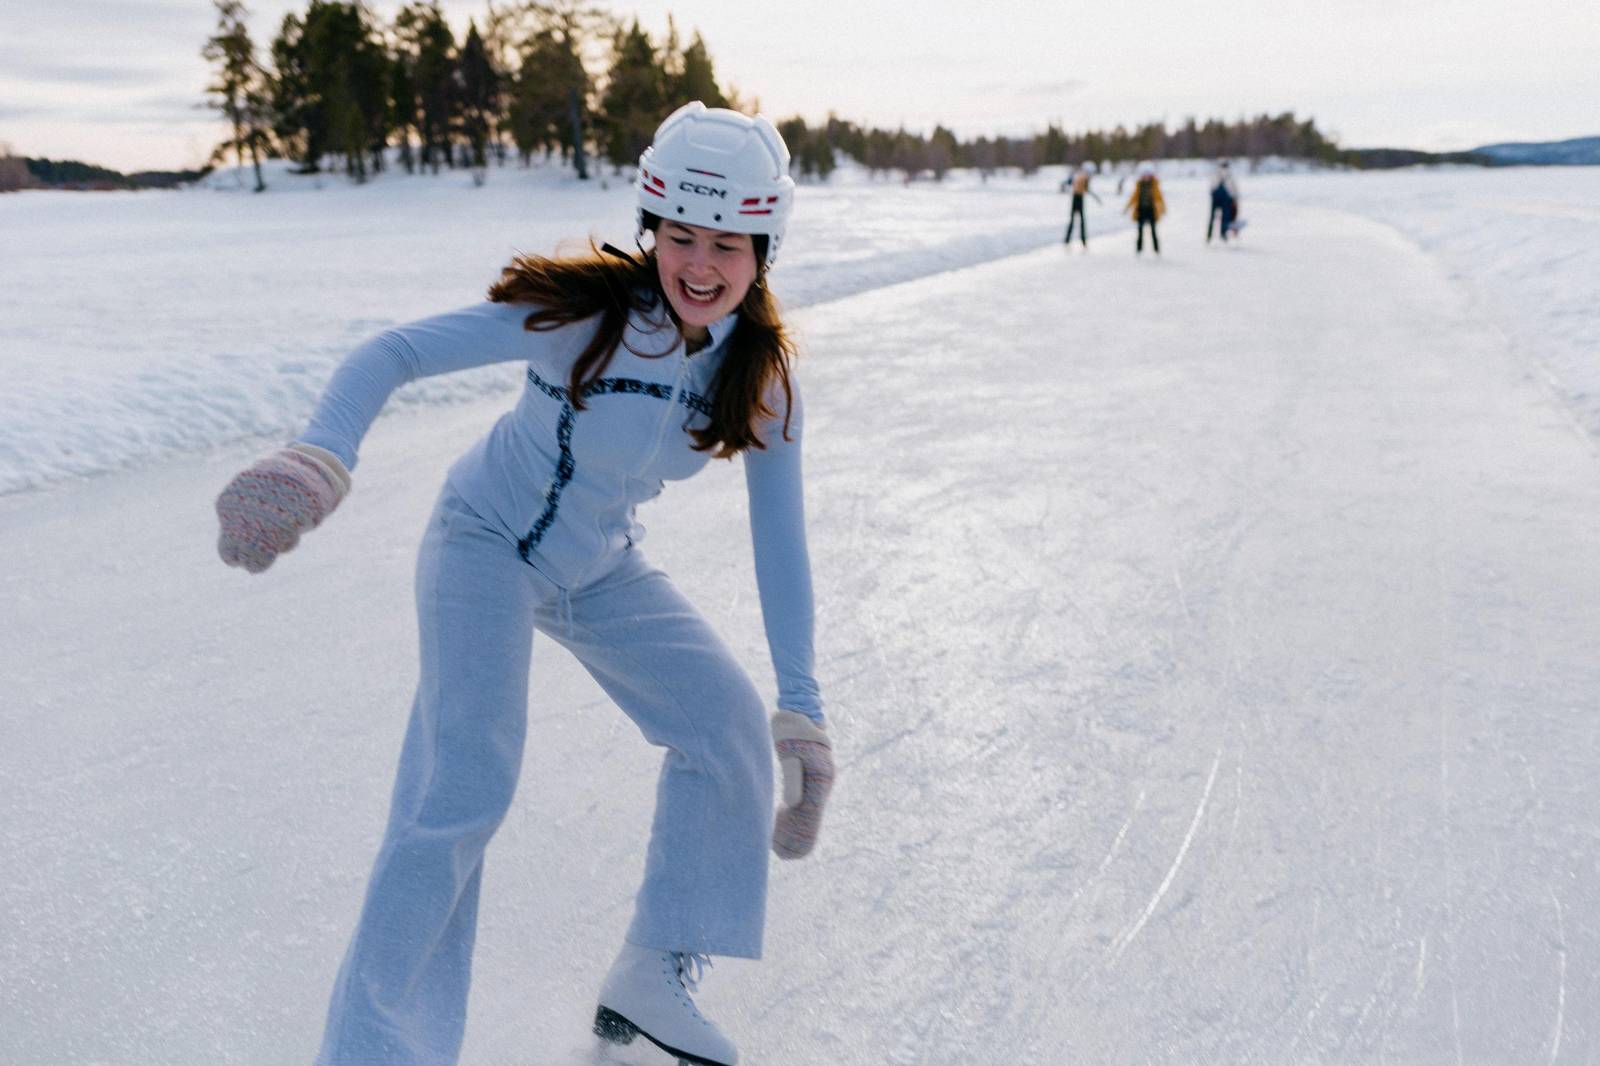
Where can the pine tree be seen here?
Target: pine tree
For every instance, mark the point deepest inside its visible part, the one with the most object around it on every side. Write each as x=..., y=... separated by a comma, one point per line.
x=575, y=23
x=403, y=114
x=347, y=73
x=549, y=98
x=1185, y=141
x=798, y=137
x=943, y=148
x=908, y=154
x=696, y=80
x=332, y=86
x=538, y=111
x=477, y=89
x=1025, y=156
x=635, y=98
x=985, y=156
x=1052, y=145
x=846, y=137
x=502, y=28
x=238, y=88
x=669, y=58
x=819, y=156
x=431, y=47
x=297, y=119
x=878, y=151
x=373, y=75
x=809, y=149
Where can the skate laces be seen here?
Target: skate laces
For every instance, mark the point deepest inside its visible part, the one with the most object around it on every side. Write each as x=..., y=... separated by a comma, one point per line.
x=691, y=968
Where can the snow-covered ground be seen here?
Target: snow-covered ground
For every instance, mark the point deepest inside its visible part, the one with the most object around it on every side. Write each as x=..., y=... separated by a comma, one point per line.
x=137, y=326
x=1210, y=640
x=1523, y=243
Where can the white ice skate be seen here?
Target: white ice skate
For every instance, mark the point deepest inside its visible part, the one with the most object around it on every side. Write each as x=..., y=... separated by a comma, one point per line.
x=650, y=993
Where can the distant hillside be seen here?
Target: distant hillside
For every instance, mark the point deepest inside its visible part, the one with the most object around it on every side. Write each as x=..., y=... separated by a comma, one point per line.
x=71, y=174
x=1580, y=151
x=1388, y=158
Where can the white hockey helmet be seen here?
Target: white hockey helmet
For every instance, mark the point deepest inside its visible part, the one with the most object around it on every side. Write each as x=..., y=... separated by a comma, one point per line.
x=712, y=167
x=1146, y=170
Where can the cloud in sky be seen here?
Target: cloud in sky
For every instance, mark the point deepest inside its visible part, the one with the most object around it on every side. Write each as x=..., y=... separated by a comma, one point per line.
x=1404, y=72
x=1031, y=90
x=124, y=17
x=19, y=65
x=158, y=110
x=1052, y=88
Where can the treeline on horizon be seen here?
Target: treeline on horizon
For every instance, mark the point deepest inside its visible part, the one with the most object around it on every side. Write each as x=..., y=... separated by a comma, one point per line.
x=914, y=155
x=341, y=87
x=18, y=172
x=338, y=87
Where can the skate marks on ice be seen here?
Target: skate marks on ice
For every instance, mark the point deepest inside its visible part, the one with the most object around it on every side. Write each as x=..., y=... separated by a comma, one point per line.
x=1075, y=535
x=587, y=1050
x=1197, y=669
x=1128, y=935
x=599, y=1053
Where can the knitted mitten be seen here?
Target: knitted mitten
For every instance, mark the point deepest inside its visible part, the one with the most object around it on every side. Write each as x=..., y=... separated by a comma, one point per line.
x=806, y=757
x=265, y=509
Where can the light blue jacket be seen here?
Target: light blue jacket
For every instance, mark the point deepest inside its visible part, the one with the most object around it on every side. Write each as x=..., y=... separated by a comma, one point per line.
x=562, y=484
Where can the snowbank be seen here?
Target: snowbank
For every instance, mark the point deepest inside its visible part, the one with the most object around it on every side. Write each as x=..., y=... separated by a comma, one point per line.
x=143, y=325
x=1523, y=241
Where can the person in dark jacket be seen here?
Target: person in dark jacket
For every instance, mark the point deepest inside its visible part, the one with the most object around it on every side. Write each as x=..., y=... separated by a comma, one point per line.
x=1224, y=201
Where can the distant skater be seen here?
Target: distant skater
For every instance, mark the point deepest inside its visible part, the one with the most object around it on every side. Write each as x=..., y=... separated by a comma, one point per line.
x=1080, y=189
x=1224, y=201
x=1146, y=206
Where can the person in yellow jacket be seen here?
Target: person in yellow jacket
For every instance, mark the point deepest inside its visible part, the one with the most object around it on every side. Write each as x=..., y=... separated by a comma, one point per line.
x=1146, y=205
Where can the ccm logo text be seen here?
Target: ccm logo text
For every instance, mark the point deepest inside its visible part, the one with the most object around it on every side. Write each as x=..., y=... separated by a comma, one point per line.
x=703, y=190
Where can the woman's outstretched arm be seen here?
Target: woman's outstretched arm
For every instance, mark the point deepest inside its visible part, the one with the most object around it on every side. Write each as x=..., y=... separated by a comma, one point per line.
x=456, y=340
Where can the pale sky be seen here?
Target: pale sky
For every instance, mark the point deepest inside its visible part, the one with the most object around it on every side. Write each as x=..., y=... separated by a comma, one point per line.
x=118, y=82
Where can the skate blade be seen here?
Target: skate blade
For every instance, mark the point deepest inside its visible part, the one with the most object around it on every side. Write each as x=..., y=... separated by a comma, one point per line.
x=612, y=1027
x=615, y=1029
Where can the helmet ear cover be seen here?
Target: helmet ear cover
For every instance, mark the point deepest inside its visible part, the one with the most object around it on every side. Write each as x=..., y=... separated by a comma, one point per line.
x=758, y=241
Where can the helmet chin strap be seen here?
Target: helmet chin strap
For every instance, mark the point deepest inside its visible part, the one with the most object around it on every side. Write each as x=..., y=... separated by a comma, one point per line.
x=643, y=261
x=617, y=253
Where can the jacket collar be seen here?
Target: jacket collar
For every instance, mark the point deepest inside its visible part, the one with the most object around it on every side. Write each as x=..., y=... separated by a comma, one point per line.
x=721, y=329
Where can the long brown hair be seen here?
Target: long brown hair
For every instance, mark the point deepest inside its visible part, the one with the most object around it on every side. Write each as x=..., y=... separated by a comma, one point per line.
x=611, y=286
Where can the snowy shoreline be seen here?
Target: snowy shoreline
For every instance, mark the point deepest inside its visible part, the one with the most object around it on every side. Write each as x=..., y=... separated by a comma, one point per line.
x=141, y=326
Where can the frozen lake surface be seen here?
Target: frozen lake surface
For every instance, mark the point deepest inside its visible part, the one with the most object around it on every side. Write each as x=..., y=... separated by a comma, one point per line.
x=1210, y=640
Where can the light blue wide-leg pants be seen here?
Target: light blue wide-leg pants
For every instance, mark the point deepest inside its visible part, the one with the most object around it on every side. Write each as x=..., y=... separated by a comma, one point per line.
x=401, y=995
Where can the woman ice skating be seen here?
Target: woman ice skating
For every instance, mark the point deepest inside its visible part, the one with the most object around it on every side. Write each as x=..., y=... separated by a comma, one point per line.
x=1224, y=201
x=640, y=370
x=1146, y=206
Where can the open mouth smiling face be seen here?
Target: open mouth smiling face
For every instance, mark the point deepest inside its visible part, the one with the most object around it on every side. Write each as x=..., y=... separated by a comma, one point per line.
x=704, y=272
